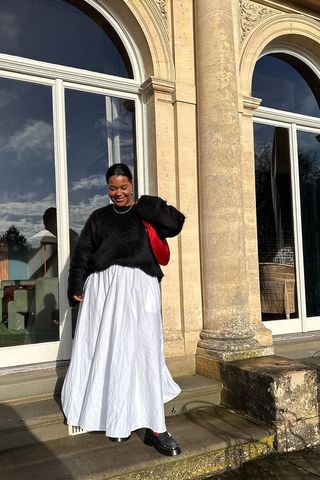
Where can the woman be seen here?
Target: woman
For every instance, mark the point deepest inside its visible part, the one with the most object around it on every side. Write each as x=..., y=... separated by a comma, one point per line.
x=117, y=380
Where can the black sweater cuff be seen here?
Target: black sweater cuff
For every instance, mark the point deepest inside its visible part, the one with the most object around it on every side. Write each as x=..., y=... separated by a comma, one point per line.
x=166, y=219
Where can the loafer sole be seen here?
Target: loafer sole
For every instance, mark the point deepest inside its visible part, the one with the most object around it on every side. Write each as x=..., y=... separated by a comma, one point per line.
x=172, y=452
x=119, y=439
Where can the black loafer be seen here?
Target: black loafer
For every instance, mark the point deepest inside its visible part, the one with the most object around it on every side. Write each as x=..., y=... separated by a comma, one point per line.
x=119, y=439
x=164, y=443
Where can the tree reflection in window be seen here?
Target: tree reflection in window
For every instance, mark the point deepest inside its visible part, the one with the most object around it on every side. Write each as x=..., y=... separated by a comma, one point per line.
x=275, y=223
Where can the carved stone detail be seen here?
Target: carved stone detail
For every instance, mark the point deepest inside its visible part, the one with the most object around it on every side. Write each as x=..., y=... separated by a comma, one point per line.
x=162, y=4
x=250, y=14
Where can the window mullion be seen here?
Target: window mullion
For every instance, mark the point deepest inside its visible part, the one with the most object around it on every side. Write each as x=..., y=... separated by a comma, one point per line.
x=62, y=215
x=298, y=226
x=141, y=148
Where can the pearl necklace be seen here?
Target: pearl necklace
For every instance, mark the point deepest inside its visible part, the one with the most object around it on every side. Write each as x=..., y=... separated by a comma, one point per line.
x=122, y=213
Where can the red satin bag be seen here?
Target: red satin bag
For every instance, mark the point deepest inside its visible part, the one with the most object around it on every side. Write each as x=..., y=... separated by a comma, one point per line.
x=159, y=247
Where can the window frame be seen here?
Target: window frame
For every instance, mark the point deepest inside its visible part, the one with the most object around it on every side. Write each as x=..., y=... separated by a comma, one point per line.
x=61, y=78
x=51, y=70
x=293, y=122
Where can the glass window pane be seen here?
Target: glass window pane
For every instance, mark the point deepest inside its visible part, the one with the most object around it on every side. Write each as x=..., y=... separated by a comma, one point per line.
x=100, y=132
x=275, y=223
x=65, y=32
x=309, y=176
x=28, y=243
x=286, y=83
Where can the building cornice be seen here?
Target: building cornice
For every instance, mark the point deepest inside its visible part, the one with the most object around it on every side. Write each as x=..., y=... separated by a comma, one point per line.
x=304, y=7
x=252, y=13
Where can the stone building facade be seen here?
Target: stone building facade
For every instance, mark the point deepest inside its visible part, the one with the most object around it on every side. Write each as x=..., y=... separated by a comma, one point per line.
x=193, y=63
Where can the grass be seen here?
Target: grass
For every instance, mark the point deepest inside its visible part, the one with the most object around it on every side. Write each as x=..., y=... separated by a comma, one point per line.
x=10, y=338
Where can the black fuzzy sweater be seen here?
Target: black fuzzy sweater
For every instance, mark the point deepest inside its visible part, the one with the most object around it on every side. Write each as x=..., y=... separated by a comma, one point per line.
x=109, y=238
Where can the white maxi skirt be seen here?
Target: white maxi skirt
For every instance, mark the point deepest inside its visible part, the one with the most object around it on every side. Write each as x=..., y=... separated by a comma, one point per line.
x=117, y=380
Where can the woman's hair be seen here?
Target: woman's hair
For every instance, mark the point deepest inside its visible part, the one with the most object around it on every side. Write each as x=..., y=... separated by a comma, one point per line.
x=119, y=169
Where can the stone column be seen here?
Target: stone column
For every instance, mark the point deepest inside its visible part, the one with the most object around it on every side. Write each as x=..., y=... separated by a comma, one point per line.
x=227, y=332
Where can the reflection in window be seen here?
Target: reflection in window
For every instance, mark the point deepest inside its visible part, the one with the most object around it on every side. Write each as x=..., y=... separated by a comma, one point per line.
x=65, y=32
x=286, y=83
x=309, y=177
x=100, y=132
x=275, y=223
x=28, y=229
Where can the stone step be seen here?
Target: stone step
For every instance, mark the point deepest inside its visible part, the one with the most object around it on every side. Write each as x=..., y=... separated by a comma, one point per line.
x=297, y=345
x=23, y=387
x=38, y=421
x=212, y=439
x=28, y=405
x=196, y=391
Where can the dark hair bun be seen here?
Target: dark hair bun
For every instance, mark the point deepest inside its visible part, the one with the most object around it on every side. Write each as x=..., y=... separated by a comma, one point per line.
x=119, y=169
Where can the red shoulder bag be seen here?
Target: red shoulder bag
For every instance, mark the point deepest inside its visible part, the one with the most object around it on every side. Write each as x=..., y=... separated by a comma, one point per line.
x=159, y=247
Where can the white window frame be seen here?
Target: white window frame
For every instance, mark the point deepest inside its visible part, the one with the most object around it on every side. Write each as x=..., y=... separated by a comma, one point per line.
x=294, y=123
x=60, y=78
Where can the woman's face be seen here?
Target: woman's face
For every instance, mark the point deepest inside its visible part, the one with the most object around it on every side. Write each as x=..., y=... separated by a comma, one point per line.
x=120, y=190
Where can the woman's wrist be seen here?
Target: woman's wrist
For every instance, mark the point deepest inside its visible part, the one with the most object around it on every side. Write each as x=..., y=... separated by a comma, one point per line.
x=78, y=298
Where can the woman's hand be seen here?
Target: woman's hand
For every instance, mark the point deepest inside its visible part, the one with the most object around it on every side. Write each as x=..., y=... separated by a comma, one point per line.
x=78, y=298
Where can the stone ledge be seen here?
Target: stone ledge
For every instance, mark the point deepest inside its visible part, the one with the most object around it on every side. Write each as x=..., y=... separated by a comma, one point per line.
x=24, y=387
x=44, y=384
x=39, y=421
x=278, y=391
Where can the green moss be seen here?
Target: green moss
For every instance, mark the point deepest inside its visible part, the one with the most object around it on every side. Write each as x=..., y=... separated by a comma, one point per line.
x=203, y=464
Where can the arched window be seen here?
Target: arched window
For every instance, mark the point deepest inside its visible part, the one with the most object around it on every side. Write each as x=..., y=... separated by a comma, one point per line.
x=285, y=82
x=69, y=108
x=287, y=172
x=64, y=32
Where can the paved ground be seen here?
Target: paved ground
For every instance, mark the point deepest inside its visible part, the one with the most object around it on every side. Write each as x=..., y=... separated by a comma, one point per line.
x=302, y=465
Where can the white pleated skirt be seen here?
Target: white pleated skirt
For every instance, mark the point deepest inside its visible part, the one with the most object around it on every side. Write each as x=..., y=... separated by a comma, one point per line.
x=117, y=380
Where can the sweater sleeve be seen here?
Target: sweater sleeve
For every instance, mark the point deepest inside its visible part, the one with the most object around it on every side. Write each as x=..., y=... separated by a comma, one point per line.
x=167, y=220
x=80, y=261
